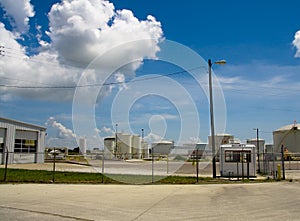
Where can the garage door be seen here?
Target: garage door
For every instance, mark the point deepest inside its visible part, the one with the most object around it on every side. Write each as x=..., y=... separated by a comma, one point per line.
x=26, y=135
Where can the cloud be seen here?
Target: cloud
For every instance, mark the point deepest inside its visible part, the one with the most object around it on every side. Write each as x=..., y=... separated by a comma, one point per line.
x=82, y=30
x=151, y=137
x=120, y=78
x=62, y=131
x=296, y=43
x=20, y=11
x=105, y=130
x=79, y=31
x=19, y=70
x=265, y=80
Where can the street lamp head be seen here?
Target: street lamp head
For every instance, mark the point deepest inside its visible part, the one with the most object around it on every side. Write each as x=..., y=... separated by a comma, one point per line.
x=220, y=62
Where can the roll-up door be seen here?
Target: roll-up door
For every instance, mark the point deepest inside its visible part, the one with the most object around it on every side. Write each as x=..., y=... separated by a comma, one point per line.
x=26, y=135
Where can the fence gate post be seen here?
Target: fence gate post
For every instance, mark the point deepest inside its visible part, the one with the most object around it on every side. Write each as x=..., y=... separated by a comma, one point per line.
x=6, y=162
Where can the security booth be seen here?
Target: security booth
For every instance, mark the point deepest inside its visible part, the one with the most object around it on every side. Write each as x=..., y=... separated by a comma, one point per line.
x=238, y=160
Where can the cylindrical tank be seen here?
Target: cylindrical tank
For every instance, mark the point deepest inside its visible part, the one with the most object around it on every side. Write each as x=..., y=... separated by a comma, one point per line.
x=109, y=145
x=136, y=146
x=261, y=143
x=145, y=149
x=289, y=137
x=220, y=139
x=124, y=144
x=82, y=145
x=269, y=148
x=162, y=147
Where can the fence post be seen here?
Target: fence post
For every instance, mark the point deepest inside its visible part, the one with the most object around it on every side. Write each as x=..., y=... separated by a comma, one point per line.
x=197, y=165
x=6, y=162
x=274, y=176
x=167, y=164
x=237, y=170
x=152, y=164
x=248, y=170
x=242, y=164
x=54, y=159
x=282, y=161
x=103, y=156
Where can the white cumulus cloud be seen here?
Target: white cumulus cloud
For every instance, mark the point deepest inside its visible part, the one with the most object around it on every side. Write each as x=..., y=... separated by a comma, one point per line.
x=20, y=11
x=82, y=30
x=63, y=132
x=79, y=32
x=296, y=43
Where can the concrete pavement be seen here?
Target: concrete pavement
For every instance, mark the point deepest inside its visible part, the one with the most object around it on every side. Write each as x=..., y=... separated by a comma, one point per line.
x=260, y=201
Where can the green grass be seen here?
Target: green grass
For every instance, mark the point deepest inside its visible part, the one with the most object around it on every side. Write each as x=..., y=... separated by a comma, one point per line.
x=42, y=176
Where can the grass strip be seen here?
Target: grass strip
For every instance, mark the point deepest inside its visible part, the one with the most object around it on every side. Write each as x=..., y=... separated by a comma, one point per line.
x=43, y=176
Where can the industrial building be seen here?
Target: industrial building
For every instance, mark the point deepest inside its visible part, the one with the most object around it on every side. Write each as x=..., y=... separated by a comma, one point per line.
x=289, y=137
x=24, y=142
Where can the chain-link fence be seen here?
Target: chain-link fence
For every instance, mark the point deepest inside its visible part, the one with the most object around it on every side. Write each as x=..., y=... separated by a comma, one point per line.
x=269, y=164
x=153, y=166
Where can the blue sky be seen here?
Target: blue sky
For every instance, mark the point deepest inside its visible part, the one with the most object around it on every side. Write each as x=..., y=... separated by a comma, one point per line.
x=52, y=46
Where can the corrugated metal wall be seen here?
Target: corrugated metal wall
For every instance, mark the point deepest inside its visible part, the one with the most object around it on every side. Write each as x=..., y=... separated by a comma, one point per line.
x=18, y=130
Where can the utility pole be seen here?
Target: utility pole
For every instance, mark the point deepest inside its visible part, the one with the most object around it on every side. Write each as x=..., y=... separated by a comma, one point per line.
x=212, y=126
x=212, y=123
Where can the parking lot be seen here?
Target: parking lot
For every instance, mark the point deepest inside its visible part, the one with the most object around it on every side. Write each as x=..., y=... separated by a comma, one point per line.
x=260, y=201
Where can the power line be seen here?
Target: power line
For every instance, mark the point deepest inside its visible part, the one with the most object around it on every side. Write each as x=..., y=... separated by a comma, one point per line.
x=95, y=85
x=258, y=90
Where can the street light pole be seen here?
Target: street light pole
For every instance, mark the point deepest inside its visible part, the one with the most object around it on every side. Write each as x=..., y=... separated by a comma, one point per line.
x=212, y=125
x=257, y=145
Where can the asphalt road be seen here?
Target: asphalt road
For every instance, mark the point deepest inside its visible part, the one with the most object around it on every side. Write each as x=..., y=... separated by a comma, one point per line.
x=260, y=201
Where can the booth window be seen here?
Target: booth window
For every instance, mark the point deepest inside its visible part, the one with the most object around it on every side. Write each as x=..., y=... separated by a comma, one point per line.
x=1, y=147
x=25, y=146
x=237, y=156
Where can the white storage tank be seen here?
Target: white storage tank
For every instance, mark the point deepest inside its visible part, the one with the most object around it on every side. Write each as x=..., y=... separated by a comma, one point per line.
x=145, y=149
x=289, y=137
x=82, y=146
x=220, y=139
x=269, y=148
x=162, y=147
x=109, y=145
x=124, y=145
x=136, y=147
x=261, y=143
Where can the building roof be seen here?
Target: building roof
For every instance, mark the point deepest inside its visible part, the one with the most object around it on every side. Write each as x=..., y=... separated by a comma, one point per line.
x=288, y=127
x=2, y=119
x=163, y=142
x=222, y=135
x=255, y=139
